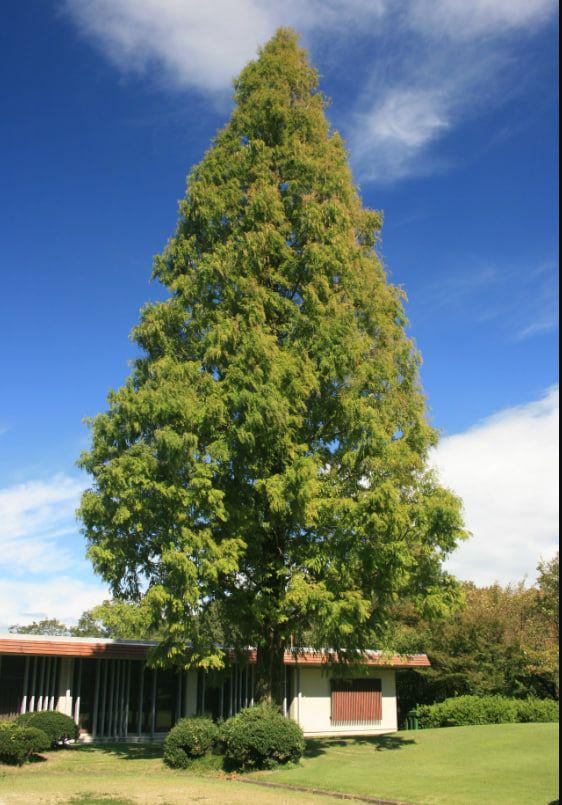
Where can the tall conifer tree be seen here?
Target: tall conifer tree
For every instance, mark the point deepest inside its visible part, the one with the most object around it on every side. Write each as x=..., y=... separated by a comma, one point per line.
x=267, y=458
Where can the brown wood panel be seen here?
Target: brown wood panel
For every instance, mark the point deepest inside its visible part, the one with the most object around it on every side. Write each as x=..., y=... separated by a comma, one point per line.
x=68, y=649
x=373, y=660
x=356, y=701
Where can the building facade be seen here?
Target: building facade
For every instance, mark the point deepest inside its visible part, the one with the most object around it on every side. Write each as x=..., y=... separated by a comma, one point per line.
x=111, y=692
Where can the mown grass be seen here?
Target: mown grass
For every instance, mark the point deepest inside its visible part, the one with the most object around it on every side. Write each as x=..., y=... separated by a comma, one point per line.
x=515, y=764
x=123, y=774
x=510, y=763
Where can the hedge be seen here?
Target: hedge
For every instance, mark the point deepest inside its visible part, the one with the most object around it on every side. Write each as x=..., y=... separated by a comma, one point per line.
x=18, y=744
x=58, y=727
x=261, y=737
x=189, y=739
x=472, y=710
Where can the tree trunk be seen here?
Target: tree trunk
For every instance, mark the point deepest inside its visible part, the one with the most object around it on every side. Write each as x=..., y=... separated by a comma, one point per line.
x=270, y=670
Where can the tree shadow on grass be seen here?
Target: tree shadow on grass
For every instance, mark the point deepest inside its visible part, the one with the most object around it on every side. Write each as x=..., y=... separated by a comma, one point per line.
x=37, y=759
x=126, y=751
x=98, y=799
x=208, y=764
x=319, y=746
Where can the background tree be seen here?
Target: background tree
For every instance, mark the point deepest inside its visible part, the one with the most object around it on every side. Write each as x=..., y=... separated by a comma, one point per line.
x=548, y=582
x=267, y=457
x=47, y=626
x=116, y=619
x=500, y=640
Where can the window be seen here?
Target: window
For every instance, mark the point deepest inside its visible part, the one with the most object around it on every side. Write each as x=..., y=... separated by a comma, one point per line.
x=356, y=701
x=11, y=686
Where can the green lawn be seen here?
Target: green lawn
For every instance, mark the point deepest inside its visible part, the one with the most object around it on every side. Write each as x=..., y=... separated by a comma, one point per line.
x=127, y=774
x=508, y=763
x=511, y=763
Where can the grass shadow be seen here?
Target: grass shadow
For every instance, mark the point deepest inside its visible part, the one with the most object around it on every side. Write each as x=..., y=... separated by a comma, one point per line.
x=380, y=743
x=213, y=763
x=37, y=759
x=88, y=798
x=126, y=751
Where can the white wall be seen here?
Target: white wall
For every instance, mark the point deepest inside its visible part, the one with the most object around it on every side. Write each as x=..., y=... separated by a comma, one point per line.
x=310, y=706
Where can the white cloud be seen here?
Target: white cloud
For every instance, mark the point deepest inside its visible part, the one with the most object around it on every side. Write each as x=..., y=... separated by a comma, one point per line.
x=34, y=517
x=445, y=57
x=506, y=471
x=62, y=597
x=43, y=573
x=462, y=20
x=388, y=138
x=198, y=45
x=194, y=44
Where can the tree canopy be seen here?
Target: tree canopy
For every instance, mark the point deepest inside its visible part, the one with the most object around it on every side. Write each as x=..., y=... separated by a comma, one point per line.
x=267, y=456
x=500, y=639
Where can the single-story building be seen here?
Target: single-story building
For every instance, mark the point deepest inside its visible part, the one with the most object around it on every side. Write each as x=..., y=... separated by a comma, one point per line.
x=109, y=690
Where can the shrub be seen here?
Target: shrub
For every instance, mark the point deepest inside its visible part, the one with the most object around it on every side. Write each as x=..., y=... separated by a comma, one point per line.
x=17, y=743
x=56, y=726
x=472, y=710
x=532, y=709
x=189, y=739
x=261, y=737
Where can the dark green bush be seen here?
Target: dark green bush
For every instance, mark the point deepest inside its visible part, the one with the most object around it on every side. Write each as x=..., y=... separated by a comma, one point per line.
x=532, y=709
x=56, y=726
x=18, y=744
x=472, y=710
x=261, y=737
x=189, y=739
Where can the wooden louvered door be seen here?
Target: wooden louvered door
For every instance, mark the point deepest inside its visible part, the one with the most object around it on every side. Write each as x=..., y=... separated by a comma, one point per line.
x=356, y=701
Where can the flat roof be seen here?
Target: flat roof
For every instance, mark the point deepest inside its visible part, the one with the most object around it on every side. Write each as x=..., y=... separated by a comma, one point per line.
x=108, y=648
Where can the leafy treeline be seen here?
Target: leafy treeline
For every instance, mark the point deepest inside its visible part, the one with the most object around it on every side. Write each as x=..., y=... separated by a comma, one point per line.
x=501, y=640
x=112, y=619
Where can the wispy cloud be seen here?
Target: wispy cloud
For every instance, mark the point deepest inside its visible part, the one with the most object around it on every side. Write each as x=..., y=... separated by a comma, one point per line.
x=432, y=63
x=387, y=138
x=452, y=289
x=42, y=566
x=506, y=471
x=35, y=517
x=541, y=309
x=61, y=596
x=522, y=301
x=459, y=20
x=439, y=63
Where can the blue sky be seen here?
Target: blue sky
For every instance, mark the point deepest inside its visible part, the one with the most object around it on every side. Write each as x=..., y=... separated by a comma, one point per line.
x=449, y=110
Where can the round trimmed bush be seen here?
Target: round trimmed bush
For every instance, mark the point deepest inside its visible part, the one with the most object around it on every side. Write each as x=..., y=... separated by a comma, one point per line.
x=261, y=738
x=18, y=744
x=189, y=739
x=58, y=727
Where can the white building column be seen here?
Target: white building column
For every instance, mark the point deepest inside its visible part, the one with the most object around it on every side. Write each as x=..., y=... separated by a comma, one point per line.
x=64, y=692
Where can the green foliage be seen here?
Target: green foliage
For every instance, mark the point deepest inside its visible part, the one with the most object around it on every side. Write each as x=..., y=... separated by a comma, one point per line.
x=500, y=640
x=537, y=710
x=464, y=711
x=190, y=738
x=19, y=743
x=58, y=727
x=47, y=626
x=261, y=737
x=268, y=454
x=116, y=619
x=548, y=583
